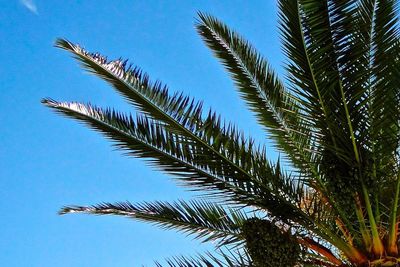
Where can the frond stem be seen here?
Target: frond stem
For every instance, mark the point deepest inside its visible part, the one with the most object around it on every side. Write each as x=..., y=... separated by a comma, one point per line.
x=393, y=223
x=377, y=246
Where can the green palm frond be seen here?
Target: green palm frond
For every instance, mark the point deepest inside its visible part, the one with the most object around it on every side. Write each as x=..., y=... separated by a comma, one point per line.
x=275, y=107
x=221, y=259
x=204, y=220
x=184, y=261
x=148, y=139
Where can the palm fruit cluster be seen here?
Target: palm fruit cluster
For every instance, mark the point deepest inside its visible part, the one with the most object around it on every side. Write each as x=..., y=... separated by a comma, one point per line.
x=268, y=245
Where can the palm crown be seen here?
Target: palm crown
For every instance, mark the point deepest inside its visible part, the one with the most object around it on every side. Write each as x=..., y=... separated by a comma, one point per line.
x=336, y=120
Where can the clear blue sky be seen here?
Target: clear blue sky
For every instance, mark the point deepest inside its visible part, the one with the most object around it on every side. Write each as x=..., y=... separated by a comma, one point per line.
x=47, y=161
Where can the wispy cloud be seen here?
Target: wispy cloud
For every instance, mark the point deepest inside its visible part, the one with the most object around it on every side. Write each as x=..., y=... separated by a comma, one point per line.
x=30, y=5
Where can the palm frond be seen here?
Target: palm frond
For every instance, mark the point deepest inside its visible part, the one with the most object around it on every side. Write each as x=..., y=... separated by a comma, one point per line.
x=220, y=258
x=276, y=109
x=204, y=220
x=184, y=261
x=144, y=138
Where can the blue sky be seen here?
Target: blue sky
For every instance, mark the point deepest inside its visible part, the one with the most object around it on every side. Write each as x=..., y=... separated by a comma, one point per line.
x=47, y=161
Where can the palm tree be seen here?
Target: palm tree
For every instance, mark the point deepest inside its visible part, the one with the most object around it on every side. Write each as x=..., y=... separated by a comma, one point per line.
x=335, y=120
